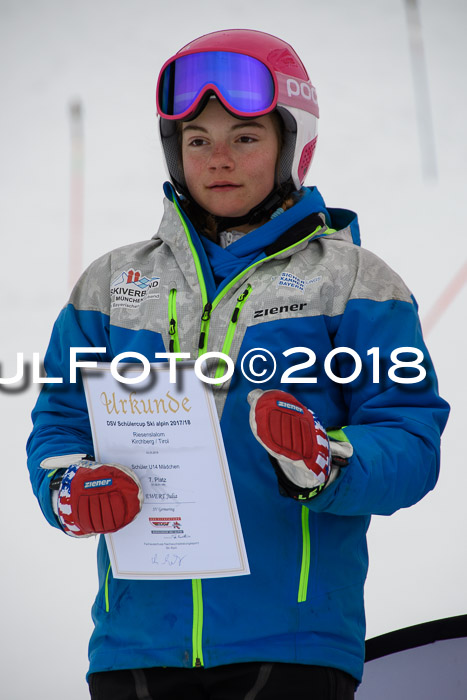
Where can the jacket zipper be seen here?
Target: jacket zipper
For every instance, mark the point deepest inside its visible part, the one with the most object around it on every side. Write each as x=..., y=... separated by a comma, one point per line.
x=208, y=308
x=306, y=550
x=197, y=633
x=203, y=336
x=197, y=639
x=232, y=328
x=174, y=344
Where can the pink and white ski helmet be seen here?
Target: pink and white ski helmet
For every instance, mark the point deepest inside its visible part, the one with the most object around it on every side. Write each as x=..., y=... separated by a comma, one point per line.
x=251, y=73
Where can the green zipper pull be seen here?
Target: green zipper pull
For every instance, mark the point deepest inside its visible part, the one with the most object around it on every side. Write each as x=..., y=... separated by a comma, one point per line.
x=239, y=305
x=207, y=312
x=244, y=294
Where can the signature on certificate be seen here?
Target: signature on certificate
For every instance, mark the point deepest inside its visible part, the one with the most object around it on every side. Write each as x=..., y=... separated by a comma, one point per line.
x=167, y=559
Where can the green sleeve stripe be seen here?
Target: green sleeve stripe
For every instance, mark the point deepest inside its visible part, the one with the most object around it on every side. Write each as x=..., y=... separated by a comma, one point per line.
x=338, y=435
x=107, y=604
x=306, y=554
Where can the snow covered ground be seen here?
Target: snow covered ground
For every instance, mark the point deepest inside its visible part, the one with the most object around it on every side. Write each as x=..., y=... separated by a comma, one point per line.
x=107, y=54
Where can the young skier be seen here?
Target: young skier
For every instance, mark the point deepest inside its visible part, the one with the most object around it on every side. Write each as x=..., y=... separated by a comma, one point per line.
x=248, y=258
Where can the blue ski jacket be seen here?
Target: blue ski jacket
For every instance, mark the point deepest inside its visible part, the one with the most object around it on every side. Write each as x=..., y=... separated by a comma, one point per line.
x=301, y=282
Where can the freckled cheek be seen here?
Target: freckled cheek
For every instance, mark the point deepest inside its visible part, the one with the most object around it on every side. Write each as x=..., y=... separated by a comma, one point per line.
x=263, y=166
x=188, y=164
x=192, y=171
x=264, y=174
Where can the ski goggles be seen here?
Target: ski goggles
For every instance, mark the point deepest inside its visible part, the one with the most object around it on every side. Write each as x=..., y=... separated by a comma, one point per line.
x=243, y=84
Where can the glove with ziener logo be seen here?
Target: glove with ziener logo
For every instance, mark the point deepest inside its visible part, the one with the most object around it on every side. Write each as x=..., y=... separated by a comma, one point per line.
x=92, y=498
x=295, y=439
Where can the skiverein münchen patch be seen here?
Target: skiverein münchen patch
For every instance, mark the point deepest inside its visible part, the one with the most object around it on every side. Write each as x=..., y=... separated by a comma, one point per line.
x=130, y=289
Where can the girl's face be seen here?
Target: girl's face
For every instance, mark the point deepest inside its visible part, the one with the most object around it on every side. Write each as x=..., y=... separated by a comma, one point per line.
x=229, y=164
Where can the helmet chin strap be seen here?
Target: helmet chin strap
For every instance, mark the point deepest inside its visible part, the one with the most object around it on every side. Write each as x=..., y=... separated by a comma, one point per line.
x=261, y=211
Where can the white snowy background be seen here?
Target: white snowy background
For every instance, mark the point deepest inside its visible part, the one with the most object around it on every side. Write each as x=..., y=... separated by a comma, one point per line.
x=107, y=54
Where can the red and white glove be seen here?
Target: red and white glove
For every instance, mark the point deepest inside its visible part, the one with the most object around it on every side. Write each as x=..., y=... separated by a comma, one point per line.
x=295, y=438
x=93, y=498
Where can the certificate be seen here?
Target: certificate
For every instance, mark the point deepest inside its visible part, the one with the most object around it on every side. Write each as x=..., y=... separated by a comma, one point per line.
x=169, y=435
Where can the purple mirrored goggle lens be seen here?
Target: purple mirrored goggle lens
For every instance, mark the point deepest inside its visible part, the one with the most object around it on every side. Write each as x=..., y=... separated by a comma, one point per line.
x=244, y=82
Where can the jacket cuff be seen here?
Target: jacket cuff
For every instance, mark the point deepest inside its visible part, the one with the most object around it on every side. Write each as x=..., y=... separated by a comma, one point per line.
x=291, y=490
x=341, y=452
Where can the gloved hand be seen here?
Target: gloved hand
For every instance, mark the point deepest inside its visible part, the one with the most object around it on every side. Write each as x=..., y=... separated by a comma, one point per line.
x=93, y=497
x=295, y=439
